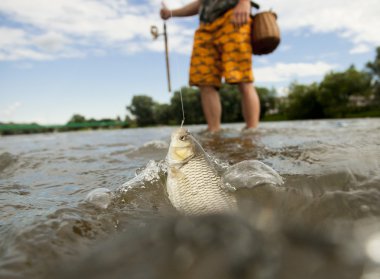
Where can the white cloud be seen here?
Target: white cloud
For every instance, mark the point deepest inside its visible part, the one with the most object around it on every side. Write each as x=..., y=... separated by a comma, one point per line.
x=51, y=42
x=73, y=28
x=281, y=72
x=10, y=37
x=361, y=48
x=14, y=54
x=358, y=21
x=70, y=28
x=171, y=4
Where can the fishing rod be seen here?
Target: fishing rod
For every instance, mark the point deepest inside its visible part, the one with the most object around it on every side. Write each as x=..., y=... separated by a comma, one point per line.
x=155, y=33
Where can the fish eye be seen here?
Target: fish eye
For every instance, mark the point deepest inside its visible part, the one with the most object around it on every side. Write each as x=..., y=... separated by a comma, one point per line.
x=183, y=138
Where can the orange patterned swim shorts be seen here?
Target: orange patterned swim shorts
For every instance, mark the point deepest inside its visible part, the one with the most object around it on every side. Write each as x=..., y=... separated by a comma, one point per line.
x=221, y=50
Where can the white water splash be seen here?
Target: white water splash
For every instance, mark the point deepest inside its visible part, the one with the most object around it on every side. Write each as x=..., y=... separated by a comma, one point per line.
x=100, y=197
x=249, y=174
x=149, y=174
x=158, y=144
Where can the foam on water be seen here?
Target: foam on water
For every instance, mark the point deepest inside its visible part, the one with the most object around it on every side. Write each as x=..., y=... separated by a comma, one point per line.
x=146, y=175
x=249, y=174
x=101, y=197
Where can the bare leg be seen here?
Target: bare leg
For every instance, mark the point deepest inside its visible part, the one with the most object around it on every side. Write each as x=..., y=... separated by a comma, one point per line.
x=212, y=109
x=250, y=104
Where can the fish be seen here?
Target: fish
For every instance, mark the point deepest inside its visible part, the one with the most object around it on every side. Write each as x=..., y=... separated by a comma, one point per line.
x=193, y=184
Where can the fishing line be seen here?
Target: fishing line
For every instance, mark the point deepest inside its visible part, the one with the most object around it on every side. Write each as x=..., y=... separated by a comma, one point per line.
x=183, y=111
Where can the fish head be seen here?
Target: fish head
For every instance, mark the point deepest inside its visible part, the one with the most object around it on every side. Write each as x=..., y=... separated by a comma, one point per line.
x=181, y=147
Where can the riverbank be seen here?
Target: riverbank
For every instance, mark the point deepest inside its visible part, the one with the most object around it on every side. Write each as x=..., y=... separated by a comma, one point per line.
x=33, y=128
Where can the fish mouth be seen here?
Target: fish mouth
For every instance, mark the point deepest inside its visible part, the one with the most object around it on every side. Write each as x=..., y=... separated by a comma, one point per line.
x=181, y=145
x=181, y=138
x=181, y=148
x=180, y=134
x=182, y=153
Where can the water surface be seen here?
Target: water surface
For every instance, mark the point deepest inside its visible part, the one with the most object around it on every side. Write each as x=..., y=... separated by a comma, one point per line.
x=323, y=222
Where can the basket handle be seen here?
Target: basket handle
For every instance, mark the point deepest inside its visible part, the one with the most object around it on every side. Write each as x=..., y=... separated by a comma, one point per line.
x=255, y=5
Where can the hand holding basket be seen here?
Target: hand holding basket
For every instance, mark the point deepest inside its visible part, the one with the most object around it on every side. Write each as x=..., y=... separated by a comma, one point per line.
x=265, y=33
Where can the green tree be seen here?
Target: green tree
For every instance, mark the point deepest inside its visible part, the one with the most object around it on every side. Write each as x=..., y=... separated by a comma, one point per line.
x=191, y=104
x=142, y=107
x=303, y=102
x=129, y=122
x=163, y=114
x=230, y=99
x=267, y=100
x=337, y=89
x=374, y=70
x=77, y=118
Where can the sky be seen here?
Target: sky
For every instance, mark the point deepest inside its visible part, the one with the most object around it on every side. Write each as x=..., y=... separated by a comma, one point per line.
x=62, y=57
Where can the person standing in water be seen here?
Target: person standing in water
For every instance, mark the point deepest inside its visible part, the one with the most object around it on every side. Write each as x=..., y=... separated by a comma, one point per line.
x=221, y=48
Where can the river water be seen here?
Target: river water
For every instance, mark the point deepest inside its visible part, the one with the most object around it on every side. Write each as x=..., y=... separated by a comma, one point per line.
x=323, y=222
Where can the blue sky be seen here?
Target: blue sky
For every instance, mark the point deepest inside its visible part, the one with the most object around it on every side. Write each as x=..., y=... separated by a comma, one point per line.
x=60, y=57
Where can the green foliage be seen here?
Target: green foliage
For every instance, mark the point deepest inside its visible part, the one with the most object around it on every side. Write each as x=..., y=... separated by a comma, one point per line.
x=371, y=112
x=340, y=94
x=191, y=104
x=303, y=102
x=142, y=107
x=77, y=118
x=337, y=89
x=79, y=122
x=267, y=100
x=15, y=129
x=275, y=117
x=163, y=114
x=230, y=99
x=374, y=70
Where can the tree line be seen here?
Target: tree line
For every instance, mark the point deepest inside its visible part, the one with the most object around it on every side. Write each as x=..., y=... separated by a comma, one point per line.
x=350, y=93
x=147, y=112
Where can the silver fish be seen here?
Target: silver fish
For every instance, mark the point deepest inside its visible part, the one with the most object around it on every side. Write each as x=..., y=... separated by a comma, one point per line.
x=193, y=184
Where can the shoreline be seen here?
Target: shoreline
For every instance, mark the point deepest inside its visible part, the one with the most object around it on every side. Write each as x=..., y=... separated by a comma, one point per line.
x=31, y=129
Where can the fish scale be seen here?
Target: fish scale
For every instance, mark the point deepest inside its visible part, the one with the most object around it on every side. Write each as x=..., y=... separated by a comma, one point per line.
x=195, y=188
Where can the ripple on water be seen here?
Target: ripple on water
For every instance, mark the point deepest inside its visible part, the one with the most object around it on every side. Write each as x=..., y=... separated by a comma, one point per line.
x=332, y=183
x=155, y=150
x=6, y=160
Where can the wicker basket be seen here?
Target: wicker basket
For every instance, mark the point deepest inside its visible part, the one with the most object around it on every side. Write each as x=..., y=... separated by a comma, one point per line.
x=265, y=33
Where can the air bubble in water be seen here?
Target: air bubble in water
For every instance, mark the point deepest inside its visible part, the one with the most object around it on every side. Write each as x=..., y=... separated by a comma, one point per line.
x=100, y=197
x=250, y=173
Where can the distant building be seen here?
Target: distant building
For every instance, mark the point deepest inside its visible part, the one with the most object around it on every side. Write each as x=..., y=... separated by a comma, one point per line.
x=361, y=101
